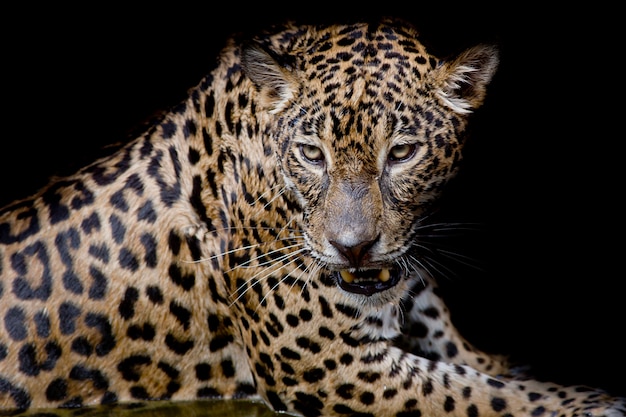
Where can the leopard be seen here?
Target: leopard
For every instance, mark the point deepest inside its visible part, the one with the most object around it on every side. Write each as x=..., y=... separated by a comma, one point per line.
x=264, y=239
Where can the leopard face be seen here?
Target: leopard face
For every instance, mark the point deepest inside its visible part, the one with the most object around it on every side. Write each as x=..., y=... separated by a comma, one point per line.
x=368, y=129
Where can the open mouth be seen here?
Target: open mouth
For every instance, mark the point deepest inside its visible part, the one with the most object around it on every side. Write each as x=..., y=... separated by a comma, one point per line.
x=367, y=282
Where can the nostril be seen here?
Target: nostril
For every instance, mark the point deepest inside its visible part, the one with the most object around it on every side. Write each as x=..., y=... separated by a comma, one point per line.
x=355, y=254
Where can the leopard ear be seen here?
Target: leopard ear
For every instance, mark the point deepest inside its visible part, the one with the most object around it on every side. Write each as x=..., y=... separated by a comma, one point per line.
x=275, y=81
x=462, y=82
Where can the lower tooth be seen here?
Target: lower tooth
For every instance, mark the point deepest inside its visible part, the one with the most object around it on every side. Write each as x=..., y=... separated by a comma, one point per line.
x=383, y=275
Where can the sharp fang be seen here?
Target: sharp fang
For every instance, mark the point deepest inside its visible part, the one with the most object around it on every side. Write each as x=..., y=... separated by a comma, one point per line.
x=383, y=275
x=347, y=276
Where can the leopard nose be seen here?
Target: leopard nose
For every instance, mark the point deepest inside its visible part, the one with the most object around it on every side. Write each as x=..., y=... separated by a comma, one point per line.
x=355, y=254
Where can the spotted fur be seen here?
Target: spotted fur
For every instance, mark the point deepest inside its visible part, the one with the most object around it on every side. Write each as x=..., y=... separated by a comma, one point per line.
x=262, y=239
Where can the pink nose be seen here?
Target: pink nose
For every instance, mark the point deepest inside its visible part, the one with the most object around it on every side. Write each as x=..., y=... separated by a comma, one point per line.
x=355, y=254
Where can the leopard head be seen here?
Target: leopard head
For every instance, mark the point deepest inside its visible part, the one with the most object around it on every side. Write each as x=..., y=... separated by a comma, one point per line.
x=367, y=128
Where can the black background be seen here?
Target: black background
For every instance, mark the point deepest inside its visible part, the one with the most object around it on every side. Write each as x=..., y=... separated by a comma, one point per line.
x=543, y=172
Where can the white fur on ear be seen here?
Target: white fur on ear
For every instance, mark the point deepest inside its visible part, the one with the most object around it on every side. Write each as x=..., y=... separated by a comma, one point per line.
x=273, y=81
x=462, y=82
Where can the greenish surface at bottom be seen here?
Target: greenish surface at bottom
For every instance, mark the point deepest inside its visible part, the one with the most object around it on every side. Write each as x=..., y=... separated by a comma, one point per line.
x=205, y=408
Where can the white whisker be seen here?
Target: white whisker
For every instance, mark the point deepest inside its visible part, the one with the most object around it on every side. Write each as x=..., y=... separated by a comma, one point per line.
x=316, y=268
x=247, y=263
x=281, y=192
x=245, y=248
x=267, y=192
x=434, y=267
x=264, y=273
x=460, y=258
x=281, y=280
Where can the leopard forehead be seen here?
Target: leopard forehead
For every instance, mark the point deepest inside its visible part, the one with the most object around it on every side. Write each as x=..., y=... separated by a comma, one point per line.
x=321, y=50
x=343, y=70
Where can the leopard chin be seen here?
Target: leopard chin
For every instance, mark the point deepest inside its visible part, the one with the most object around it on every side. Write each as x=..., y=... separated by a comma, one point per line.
x=368, y=281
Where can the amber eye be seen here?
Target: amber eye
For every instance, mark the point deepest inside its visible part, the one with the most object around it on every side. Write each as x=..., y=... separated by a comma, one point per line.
x=402, y=152
x=312, y=153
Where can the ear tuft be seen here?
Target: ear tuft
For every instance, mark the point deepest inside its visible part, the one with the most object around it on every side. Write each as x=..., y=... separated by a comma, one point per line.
x=274, y=82
x=462, y=82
